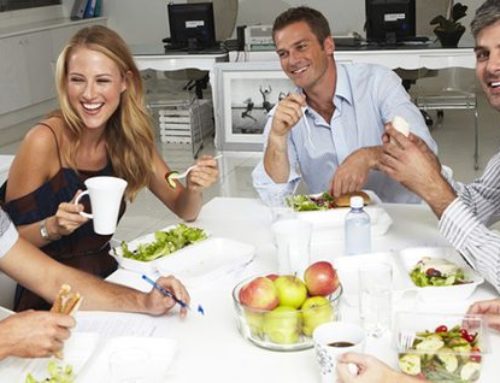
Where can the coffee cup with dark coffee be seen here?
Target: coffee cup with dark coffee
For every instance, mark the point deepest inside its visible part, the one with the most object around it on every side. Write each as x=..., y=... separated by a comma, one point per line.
x=332, y=339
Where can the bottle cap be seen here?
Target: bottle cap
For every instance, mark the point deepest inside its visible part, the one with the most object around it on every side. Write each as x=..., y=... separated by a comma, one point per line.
x=357, y=202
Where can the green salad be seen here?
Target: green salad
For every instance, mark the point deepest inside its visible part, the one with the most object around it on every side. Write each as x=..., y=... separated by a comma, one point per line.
x=437, y=272
x=57, y=374
x=165, y=243
x=443, y=356
x=302, y=202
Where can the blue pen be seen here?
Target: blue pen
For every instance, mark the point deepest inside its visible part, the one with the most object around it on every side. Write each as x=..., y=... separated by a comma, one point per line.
x=171, y=295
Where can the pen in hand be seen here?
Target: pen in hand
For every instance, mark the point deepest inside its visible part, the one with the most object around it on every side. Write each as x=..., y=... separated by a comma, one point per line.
x=168, y=293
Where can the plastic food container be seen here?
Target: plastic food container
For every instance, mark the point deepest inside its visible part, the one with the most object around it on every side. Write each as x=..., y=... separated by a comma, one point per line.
x=441, y=347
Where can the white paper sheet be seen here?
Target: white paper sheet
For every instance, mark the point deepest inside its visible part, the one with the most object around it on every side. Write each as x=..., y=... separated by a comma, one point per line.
x=111, y=324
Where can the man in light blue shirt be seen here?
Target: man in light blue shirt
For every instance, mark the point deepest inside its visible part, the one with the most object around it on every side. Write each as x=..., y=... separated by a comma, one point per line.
x=330, y=132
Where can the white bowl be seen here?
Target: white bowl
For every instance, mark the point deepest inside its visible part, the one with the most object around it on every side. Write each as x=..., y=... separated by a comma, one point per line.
x=410, y=257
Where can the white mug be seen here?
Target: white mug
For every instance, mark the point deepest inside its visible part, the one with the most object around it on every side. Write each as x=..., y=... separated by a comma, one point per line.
x=333, y=339
x=105, y=195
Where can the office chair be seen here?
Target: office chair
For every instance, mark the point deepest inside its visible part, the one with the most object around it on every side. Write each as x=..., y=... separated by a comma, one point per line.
x=451, y=97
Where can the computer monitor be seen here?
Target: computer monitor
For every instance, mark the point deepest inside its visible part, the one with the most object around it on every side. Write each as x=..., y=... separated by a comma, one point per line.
x=191, y=25
x=390, y=21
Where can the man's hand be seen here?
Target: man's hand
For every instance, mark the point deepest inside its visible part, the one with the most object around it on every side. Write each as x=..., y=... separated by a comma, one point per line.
x=490, y=309
x=352, y=173
x=204, y=174
x=370, y=370
x=287, y=113
x=158, y=304
x=410, y=161
x=34, y=334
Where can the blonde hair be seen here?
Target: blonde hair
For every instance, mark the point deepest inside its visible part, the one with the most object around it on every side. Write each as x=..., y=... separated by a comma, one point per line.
x=128, y=134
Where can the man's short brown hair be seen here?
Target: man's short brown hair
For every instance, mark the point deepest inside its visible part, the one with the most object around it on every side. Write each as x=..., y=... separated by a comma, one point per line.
x=313, y=18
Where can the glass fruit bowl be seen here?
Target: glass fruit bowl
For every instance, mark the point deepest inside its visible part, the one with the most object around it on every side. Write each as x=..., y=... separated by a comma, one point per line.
x=285, y=328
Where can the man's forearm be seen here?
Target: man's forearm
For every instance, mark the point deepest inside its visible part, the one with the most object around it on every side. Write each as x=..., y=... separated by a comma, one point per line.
x=43, y=275
x=439, y=198
x=372, y=155
x=276, y=161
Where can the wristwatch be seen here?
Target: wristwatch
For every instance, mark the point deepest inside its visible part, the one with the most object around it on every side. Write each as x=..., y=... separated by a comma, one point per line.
x=44, y=233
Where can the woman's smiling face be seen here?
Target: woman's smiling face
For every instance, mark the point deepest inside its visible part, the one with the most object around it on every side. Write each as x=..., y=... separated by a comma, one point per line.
x=94, y=86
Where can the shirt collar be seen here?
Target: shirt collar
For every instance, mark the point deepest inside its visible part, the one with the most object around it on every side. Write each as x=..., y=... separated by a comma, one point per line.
x=342, y=90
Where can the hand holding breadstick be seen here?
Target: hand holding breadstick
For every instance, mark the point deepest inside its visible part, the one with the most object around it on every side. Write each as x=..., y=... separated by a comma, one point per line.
x=66, y=302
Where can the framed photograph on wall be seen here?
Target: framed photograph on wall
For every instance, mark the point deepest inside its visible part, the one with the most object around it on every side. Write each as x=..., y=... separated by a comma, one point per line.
x=246, y=92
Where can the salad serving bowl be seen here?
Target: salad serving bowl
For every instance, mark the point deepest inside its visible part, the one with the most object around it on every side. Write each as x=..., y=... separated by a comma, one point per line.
x=409, y=258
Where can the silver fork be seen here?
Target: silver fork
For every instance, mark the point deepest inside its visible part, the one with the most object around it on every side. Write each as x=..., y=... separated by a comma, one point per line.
x=177, y=176
x=406, y=340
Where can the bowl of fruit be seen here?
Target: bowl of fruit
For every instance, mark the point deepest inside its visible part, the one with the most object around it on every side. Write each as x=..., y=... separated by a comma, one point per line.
x=280, y=312
x=441, y=347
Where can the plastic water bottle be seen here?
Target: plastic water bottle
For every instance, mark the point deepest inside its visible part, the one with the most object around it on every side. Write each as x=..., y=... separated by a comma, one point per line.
x=357, y=228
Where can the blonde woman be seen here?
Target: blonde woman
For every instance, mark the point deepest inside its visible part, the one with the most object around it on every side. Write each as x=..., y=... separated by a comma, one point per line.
x=101, y=128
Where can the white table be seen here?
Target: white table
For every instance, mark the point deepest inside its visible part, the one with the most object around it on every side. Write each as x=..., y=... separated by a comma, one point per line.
x=210, y=347
x=404, y=58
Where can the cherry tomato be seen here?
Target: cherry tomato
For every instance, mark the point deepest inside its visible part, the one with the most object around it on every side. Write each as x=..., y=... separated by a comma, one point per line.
x=475, y=355
x=468, y=337
x=441, y=328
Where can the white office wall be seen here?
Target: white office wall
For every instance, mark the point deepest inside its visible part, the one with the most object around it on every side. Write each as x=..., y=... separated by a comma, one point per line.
x=145, y=21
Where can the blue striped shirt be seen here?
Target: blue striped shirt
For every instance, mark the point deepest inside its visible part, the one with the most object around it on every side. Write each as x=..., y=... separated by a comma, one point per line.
x=465, y=222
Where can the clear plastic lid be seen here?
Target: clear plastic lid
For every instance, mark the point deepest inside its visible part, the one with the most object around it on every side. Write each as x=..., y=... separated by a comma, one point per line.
x=356, y=202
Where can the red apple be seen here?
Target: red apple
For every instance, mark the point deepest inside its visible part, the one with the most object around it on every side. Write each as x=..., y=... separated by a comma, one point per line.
x=321, y=279
x=259, y=293
x=272, y=277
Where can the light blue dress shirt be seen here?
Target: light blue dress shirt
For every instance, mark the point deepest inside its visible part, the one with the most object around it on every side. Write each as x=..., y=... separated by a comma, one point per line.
x=366, y=97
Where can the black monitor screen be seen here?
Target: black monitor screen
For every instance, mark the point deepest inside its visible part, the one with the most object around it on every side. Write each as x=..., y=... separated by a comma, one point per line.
x=191, y=25
x=390, y=21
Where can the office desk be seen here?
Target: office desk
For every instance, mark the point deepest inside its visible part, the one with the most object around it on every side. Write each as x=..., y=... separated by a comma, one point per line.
x=155, y=57
x=210, y=347
x=407, y=57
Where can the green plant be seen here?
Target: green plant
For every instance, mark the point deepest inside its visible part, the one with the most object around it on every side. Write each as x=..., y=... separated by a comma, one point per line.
x=450, y=24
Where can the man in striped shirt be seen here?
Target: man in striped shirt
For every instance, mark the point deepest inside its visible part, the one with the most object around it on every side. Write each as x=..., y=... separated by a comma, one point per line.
x=464, y=210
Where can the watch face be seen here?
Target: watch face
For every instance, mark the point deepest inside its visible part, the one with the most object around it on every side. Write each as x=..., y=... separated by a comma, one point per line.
x=43, y=230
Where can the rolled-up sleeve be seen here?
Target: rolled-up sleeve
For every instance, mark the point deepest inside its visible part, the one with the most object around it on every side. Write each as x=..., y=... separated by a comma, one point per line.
x=267, y=189
x=8, y=233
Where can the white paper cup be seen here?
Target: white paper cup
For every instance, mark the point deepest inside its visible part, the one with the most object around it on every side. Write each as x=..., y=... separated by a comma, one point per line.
x=293, y=242
x=326, y=354
x=105, y=195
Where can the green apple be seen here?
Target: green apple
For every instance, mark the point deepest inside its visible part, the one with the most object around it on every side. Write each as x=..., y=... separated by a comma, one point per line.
x=292, y=292
x=255, y=322
x=315, y=311
x=282, y=325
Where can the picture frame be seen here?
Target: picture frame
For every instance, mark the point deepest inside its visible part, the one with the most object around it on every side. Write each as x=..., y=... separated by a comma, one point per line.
x=246, y=92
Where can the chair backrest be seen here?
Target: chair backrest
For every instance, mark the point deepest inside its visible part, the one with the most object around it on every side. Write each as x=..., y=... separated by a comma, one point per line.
x=426, y=10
